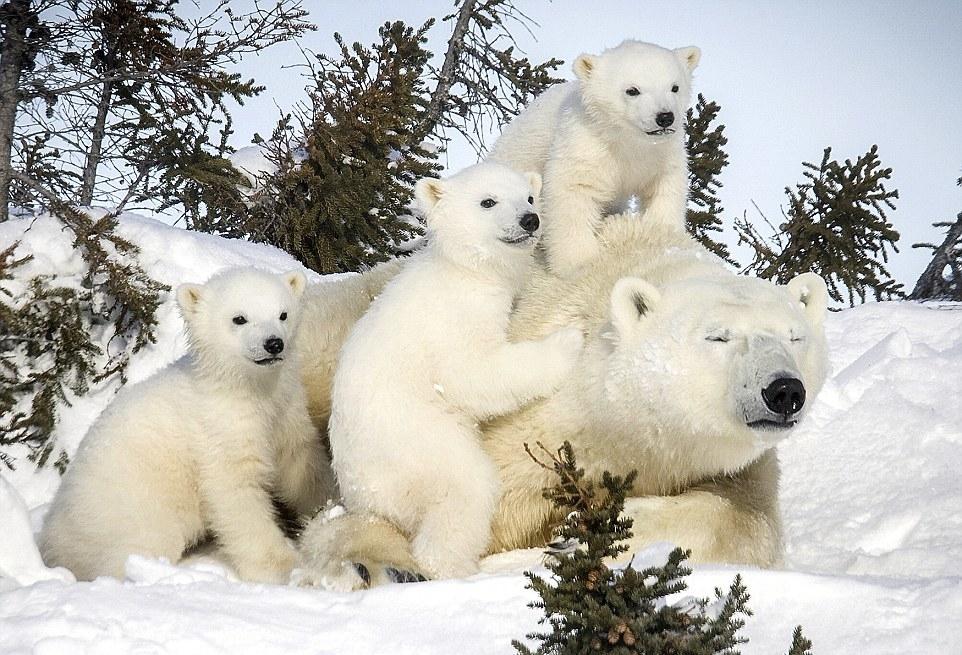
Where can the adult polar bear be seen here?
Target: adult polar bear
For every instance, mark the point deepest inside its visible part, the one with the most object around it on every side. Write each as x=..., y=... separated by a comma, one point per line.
x=690, y=375
x=615, y=132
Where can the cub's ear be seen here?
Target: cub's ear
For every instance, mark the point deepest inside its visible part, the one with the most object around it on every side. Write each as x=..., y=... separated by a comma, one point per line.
x=428, y=191
x=296, y=281
x=809, y=290
x=631, y=299
x=188, y=297
x=689, y=56
x=584, y=66
x=534, y=181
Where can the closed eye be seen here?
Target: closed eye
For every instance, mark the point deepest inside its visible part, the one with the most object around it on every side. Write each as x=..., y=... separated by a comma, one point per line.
x=718, y=338
x=797, y=339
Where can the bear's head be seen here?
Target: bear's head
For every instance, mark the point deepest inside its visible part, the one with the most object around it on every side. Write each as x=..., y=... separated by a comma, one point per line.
x=639, y=86
x=483, y=217
x=731, y=361
x=242, y=318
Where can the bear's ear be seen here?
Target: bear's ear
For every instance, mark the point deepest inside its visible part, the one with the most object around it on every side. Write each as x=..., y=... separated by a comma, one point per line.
x=428, y=191
x=631, y=299
x=534, y=181
x=689, y=56
x=809, y=290
x=584, y=66
x=296, y=282
x=188, y=296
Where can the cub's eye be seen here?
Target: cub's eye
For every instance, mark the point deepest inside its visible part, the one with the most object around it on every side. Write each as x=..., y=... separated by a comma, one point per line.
x=632, y=91
x=530, y=200
x=674, y=89
x=488, y=203
x=239, y=320
x=283, y=316
x=797, y=339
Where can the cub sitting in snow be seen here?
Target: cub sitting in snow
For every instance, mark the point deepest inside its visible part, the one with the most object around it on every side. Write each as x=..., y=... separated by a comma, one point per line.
x=196, y=449
x=615, y=132
x=430, y=359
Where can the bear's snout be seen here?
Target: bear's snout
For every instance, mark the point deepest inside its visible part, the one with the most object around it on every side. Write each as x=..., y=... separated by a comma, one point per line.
x=274, y=345
x=665, y=118
x=530, y=222
x=784, y=396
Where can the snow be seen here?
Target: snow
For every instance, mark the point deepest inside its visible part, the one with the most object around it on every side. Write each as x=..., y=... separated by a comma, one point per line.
x=871, y=499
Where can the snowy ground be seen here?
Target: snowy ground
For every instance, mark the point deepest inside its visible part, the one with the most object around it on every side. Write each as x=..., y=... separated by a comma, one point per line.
x=871, y=495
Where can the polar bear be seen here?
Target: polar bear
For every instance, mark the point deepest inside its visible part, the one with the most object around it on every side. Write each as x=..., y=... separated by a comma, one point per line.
x=615, y=133
x=430, y=358
x=192, y=451
x=690, y=375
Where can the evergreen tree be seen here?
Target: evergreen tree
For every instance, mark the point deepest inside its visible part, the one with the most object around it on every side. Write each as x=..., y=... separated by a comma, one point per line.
x=800, y=645
x=376, y=118
x=706, y=159
x=836, y=226
x=942, y=278
x=592, y=607
x=340, y=202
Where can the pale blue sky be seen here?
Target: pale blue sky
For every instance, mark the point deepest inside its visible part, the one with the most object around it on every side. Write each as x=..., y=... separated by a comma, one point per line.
x=792, y=78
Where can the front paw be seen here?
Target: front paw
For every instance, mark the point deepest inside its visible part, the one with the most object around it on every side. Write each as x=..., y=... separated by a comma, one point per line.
x=272, y=566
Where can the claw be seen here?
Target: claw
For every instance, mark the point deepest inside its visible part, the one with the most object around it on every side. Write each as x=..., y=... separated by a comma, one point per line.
x=403, y=577
x=363, y=573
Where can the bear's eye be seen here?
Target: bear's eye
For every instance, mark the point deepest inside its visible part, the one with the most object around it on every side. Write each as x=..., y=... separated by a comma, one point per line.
x=530, y=200
x=797, y=339
x=488, y=203
x=239, y=320
x=632, y=91
x=283, y=316
x=674, y=89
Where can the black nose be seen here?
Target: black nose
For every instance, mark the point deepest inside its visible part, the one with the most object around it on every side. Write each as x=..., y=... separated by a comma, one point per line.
x=274, y=345
x=665, y=118
x=785, y=396
x=530, y=222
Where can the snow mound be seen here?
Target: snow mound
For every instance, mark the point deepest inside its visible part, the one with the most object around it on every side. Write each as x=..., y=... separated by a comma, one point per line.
x=871, y=499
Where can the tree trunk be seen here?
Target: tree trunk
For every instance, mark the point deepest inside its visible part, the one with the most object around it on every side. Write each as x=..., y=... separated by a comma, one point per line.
x=446, y=77
x=89, y=178
x=17, y=18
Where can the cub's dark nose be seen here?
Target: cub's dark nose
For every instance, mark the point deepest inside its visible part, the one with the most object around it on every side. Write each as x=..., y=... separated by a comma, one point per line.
x=785, y=396
x=665, y=118
x=274, y=345
x=529, y=222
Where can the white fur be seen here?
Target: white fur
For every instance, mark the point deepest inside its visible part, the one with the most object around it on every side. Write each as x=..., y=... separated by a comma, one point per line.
x=591, y=142
x=430, y=359
x=195, y=448
x=650, y=393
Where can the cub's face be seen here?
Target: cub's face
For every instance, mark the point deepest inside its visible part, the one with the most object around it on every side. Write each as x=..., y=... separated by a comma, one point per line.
x=639, y=85
x=484, y=215
x=738, y=359
x=243, y=317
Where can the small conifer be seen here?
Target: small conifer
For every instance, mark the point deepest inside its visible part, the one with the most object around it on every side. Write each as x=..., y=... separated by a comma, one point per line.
x=836, y=226
x=706, y=159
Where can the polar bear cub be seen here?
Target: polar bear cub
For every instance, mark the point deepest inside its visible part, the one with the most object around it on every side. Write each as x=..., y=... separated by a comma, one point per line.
x=193, y=451
x=431, y=358
x=615, y=133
